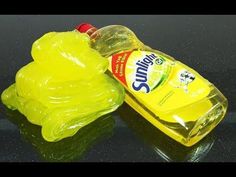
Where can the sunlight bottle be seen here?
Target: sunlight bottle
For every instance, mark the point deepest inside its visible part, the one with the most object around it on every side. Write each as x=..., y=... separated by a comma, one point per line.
x=172, y=96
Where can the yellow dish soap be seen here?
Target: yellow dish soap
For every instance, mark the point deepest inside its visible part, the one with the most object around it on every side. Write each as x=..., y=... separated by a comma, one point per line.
x=65, y=87
x=172, y=96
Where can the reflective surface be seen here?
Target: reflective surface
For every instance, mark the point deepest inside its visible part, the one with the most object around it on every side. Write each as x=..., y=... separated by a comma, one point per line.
x=206, y=43
x=122, y=136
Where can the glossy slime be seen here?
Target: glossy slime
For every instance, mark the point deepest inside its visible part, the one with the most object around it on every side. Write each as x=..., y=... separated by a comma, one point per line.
x=65, y=87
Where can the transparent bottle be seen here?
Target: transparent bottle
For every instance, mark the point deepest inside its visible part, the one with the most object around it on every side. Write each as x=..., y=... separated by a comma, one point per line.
x=172, y=96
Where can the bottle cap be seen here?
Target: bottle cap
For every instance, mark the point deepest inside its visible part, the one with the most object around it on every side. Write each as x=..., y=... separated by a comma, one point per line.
x=85, y=28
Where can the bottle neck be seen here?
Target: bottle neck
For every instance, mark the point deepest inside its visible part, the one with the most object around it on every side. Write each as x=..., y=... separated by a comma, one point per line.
x=118, y=38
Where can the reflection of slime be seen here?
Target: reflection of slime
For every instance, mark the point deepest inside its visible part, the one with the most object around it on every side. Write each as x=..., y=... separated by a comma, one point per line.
x=65, y=87
x=167, y=148
x=68, y=149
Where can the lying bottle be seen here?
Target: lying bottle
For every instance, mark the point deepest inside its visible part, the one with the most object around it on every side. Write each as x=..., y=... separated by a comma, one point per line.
x=172, y=96
x=69, y=149
x=162, y=145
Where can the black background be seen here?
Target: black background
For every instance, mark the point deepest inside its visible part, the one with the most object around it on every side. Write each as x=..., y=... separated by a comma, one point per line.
x=207, y=43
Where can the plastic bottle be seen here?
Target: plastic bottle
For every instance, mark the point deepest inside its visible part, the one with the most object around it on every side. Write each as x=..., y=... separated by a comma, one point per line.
x=172, y=96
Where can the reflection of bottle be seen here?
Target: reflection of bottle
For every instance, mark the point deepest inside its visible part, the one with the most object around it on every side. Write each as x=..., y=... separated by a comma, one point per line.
x=166, y=147
x=172, y=96
x=68, y=149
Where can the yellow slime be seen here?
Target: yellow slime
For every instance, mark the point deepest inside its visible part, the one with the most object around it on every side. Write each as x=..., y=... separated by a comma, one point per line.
x=65, y=87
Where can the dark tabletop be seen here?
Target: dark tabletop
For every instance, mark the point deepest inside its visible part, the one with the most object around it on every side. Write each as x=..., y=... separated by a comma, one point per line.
x=205, y=43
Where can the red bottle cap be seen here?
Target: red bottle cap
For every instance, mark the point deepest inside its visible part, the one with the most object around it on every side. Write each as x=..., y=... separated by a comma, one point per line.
x=85, y=27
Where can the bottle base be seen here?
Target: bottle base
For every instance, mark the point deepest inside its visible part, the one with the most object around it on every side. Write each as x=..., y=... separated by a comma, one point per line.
x=205, y=116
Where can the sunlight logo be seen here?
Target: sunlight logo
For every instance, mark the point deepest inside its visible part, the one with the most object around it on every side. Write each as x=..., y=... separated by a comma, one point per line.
x=141, y=72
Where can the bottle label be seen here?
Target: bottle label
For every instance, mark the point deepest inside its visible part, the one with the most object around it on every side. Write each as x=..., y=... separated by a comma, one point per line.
x=163, y=89
x=156, y=81
x=140, y=71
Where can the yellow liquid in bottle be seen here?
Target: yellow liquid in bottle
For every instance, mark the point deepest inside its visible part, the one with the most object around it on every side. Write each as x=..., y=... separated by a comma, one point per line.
x=170, y=95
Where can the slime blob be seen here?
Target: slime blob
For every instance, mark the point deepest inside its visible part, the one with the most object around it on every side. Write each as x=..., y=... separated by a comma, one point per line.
x=65, y=87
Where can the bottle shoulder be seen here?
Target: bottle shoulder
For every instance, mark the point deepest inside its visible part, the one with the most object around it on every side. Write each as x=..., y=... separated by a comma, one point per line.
x=113, y=39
